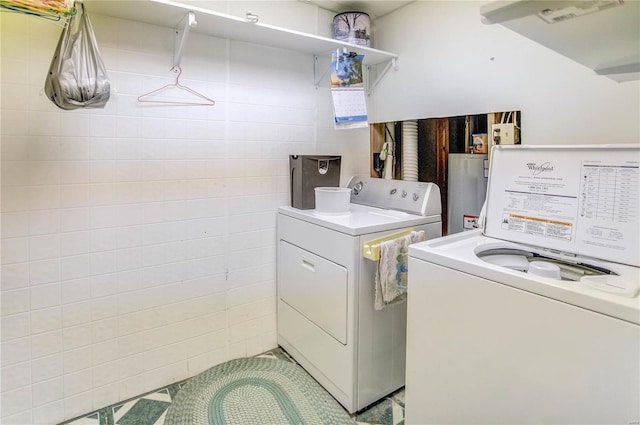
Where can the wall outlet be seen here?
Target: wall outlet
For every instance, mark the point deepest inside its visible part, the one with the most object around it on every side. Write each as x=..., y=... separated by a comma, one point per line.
x=503, y=134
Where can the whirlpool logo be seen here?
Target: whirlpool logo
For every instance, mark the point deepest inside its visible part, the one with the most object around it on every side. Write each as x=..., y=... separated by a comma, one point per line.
x=539, y=169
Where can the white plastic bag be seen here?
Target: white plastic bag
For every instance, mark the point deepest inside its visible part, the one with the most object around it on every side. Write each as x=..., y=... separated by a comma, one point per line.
x=77, y=76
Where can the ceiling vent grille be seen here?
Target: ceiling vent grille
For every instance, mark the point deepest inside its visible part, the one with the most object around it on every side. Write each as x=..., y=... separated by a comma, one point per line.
x=552, y=16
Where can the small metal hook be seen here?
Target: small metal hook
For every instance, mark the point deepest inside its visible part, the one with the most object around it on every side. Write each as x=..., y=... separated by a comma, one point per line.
x=177, y=69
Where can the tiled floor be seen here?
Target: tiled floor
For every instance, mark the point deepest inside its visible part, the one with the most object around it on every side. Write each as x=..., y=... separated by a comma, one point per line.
x=150, y=409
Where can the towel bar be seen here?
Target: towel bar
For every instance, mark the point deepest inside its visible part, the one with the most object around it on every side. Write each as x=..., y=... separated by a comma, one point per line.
x=371, y=249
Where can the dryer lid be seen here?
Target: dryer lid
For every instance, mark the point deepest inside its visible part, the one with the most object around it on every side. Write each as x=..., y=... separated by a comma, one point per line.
x=580, y=200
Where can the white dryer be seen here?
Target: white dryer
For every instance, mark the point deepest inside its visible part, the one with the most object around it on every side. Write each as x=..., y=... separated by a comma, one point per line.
x=534, y=319
x=326, y=315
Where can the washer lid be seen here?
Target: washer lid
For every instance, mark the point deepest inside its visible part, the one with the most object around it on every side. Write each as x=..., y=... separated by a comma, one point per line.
x=572, y=199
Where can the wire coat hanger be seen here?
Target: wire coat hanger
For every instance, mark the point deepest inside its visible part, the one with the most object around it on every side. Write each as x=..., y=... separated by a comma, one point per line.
x=57, y=11
x=148, y=97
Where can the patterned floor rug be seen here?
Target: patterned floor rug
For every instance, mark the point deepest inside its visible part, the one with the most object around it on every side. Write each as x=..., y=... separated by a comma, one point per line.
x=255, y=391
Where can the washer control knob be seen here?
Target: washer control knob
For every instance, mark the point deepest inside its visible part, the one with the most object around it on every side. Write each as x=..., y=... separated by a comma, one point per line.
x=357, y=188
x=416, y=197
x=393, y=191
x=404, y=193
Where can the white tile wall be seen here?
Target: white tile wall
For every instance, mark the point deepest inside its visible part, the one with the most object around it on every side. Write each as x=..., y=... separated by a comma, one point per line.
x=138, y=241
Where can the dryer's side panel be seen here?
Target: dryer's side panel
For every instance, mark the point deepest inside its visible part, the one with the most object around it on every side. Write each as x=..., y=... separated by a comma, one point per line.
x=381, y=333
x=482, y=352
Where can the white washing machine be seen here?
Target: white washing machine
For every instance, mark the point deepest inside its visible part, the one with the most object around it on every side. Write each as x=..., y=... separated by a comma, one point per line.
x=534, y=319
x=326, y=315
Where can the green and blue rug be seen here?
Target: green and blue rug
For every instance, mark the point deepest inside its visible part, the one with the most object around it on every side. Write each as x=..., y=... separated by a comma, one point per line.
x=255, y=391
x=153, y=408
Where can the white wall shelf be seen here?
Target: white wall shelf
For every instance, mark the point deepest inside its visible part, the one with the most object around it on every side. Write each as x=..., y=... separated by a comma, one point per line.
x=170, y=13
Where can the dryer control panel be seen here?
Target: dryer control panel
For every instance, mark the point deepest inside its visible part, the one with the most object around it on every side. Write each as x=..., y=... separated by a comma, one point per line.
x=412, y=197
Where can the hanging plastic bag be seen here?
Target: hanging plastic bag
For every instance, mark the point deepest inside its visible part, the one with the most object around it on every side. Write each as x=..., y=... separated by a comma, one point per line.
x=77, y=76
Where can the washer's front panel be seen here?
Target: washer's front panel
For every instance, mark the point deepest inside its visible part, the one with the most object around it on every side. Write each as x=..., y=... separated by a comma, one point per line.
x=482, y=352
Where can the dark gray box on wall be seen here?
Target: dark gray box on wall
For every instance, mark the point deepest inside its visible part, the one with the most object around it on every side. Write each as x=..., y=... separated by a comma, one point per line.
x=308, y=172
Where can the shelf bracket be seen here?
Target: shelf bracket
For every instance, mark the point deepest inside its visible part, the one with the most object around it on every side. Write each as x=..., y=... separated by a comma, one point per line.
x=317, y=76
x=181, y=35
x=391, y=64
x=319, y=73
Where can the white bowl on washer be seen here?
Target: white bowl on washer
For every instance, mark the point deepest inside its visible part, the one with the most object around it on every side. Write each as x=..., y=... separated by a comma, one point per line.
x=333, y=200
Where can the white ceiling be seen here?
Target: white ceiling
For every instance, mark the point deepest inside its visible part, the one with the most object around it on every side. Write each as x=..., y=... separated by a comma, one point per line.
x=607, y=41
x=375, y=8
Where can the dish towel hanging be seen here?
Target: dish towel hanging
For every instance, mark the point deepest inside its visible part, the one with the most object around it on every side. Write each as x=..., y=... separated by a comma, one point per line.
x=391, y=275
